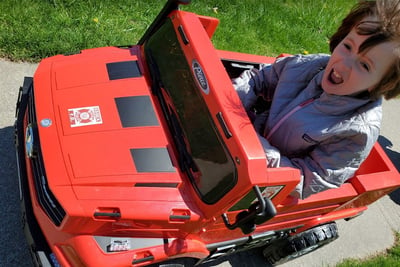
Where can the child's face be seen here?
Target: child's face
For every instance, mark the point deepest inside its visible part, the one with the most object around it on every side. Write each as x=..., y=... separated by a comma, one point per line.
x=349, y=72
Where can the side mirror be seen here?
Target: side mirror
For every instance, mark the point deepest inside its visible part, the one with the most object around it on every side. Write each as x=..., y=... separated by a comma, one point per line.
x=259, y=212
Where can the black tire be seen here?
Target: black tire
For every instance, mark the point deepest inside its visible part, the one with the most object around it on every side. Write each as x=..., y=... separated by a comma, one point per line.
x=298, y=245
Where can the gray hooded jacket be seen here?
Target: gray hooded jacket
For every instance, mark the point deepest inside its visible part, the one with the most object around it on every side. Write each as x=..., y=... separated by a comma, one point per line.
x=326, y=136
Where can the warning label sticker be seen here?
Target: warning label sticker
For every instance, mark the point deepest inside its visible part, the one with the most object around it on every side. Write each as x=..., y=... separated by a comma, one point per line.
x=84, y=116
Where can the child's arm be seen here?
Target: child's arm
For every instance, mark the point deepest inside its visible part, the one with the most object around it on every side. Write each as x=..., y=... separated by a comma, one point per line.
x=254, y=83
x=331, y=163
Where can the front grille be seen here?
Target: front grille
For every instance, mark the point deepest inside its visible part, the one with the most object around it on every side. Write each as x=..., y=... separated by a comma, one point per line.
x=43, y=193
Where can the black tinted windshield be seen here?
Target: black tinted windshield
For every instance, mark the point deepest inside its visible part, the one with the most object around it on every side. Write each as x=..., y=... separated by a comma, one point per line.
x=215, y=172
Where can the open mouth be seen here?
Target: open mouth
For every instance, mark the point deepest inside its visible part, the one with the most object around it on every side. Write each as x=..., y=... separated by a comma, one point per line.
x=335, y=77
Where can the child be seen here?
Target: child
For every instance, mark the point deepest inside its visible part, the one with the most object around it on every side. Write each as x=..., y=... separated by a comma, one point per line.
x=324, y=112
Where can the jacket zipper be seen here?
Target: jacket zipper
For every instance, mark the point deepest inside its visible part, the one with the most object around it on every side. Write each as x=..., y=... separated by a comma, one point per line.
x=290, y=113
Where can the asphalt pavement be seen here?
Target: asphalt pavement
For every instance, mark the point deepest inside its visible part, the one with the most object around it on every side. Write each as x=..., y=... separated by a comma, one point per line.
x=367, y=235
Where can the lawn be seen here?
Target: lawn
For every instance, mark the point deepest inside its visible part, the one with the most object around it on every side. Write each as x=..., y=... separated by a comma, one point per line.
x=34, y=29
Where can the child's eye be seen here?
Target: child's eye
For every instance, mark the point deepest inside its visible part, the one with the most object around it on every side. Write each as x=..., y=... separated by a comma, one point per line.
x=365, y=66
x=347, y=46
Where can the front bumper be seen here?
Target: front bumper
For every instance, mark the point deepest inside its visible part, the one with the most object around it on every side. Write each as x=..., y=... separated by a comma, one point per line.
x=39, y=249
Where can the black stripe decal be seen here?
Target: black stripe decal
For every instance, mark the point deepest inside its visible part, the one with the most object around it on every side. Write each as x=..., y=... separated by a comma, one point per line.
x=148, y=258
x=152, y=160
x=123, y=70
x=182, y=33
x=136, y=111
x=107, y=214
x=224, y=126
x=170, y=185
x=179, y=217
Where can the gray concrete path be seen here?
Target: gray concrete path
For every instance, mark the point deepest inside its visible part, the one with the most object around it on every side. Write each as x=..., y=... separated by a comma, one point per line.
x=367, y=235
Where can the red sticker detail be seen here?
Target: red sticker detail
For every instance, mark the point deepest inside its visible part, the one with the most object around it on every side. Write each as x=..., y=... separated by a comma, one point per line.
x=84, y=116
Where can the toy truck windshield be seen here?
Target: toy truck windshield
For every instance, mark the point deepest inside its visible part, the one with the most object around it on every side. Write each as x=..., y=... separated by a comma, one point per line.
x=178, y=85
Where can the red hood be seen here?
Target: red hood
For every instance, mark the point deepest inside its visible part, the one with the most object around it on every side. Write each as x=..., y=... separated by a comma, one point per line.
x=110, y=132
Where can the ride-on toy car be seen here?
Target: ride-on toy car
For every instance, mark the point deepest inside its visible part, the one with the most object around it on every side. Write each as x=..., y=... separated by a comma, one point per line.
x=142, y=155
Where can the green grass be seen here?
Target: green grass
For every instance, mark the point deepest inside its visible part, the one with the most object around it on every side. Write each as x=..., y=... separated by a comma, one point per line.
x=34, y=29
x=271, y=27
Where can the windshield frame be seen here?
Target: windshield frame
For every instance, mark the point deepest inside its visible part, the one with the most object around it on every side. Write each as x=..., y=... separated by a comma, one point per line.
x=182, y=87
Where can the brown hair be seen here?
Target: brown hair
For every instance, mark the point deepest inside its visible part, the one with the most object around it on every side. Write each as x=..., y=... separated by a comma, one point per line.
x=386, y=28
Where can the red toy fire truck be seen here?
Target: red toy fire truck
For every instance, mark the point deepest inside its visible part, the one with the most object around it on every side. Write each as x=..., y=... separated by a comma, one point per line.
x=144, y=155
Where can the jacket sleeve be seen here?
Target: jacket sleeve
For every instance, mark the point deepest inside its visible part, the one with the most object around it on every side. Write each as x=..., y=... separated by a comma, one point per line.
x=259, y=82
x=331, y=163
